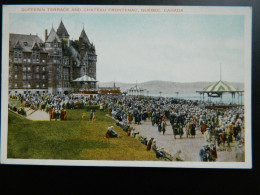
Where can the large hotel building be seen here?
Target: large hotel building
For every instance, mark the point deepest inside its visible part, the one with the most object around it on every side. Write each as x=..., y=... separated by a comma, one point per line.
x=53, y=65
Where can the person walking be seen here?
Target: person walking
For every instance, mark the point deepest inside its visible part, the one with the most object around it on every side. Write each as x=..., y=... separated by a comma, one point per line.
x=163, y=126
x=91, y=115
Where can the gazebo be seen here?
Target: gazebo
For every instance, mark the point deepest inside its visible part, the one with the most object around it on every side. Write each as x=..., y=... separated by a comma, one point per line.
x=86, y=83
x=216, y=90
x=86, y=86
x=136, y=90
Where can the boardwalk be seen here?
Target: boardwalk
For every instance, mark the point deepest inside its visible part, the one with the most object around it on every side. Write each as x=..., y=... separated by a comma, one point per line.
x=190, y=147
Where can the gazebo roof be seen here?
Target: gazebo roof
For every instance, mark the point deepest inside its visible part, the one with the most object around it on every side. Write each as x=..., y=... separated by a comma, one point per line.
x=219, y=86
x=136, y=89
x=85, y=78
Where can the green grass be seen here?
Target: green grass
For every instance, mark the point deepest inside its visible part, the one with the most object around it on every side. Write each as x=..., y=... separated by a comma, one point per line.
x=71, y=139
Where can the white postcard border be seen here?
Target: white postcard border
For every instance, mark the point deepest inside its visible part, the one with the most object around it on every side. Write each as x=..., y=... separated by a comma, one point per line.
x=246, y=11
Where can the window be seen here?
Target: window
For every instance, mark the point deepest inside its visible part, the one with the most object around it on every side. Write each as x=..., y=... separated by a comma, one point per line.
x=15, y=85
x=15, y=76
x=25, y=43
x=37, y=76
x=43, y=61
x=29, y=68
x=24, y=60
x=59, y=85
x=66, y=77
x=37, y=85
x=37, y=69
x=15, y=67
x=29, y=60
x=43, y=76
x=43, y=68
x=66, y=84
x=43, y=85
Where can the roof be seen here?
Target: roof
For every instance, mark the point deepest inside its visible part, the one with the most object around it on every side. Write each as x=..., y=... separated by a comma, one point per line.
x=25, y=42
x=219, y=86
x=53, y=36
x=61, y=31
x=136, y=89
x=84, y=36
x=84, y=78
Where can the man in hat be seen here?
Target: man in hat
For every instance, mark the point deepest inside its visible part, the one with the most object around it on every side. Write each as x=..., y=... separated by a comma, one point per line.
x=91, y=115
x=213, y=153
x=207, y=136
x=203, y=154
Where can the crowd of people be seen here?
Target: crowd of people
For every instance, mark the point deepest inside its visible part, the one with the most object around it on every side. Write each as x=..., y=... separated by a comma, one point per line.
x=219, y=128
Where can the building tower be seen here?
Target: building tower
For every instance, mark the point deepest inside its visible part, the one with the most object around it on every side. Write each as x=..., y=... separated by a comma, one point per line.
x=53, y=46
x=63, y=33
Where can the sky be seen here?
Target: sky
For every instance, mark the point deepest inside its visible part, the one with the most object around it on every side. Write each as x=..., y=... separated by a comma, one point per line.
x=145, y=47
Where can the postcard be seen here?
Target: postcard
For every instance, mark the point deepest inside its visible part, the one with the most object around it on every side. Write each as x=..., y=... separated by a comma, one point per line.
x=126, y=86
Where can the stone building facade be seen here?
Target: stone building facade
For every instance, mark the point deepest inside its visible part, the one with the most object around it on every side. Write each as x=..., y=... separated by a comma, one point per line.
x=51, y=66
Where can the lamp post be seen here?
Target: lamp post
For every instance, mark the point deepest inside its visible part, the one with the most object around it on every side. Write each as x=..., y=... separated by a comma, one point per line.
x=124, y=93
x=160, y=93
x=177, y=94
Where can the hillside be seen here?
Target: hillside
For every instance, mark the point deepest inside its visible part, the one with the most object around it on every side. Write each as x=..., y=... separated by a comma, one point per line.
x=154, y=87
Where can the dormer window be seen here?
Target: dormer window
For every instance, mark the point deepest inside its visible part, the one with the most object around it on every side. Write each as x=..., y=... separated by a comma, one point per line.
x=25, y=43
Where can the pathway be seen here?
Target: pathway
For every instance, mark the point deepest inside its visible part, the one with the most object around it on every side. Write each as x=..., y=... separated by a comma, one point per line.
x=38, y=115
x=190, y=147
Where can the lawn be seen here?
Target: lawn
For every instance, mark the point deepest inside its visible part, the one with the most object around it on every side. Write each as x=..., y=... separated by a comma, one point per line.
x=72, y=139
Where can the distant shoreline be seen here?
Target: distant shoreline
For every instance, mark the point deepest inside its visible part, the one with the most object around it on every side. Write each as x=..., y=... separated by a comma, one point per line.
x=167, y=87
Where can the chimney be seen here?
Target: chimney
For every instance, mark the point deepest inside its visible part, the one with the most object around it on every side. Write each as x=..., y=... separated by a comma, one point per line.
x=46, y=34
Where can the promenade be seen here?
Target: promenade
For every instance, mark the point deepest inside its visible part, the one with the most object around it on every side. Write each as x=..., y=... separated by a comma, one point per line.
x=190, y=147
x=37, y=115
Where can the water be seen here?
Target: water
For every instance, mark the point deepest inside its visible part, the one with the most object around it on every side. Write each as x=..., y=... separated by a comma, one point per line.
x=226, y=98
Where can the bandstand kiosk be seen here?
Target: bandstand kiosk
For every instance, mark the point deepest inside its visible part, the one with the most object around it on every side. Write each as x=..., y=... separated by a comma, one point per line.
x=216, y=90
x=85, y=86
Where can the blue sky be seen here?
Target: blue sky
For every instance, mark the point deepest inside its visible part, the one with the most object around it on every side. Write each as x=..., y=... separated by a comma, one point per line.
x=143, y=47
